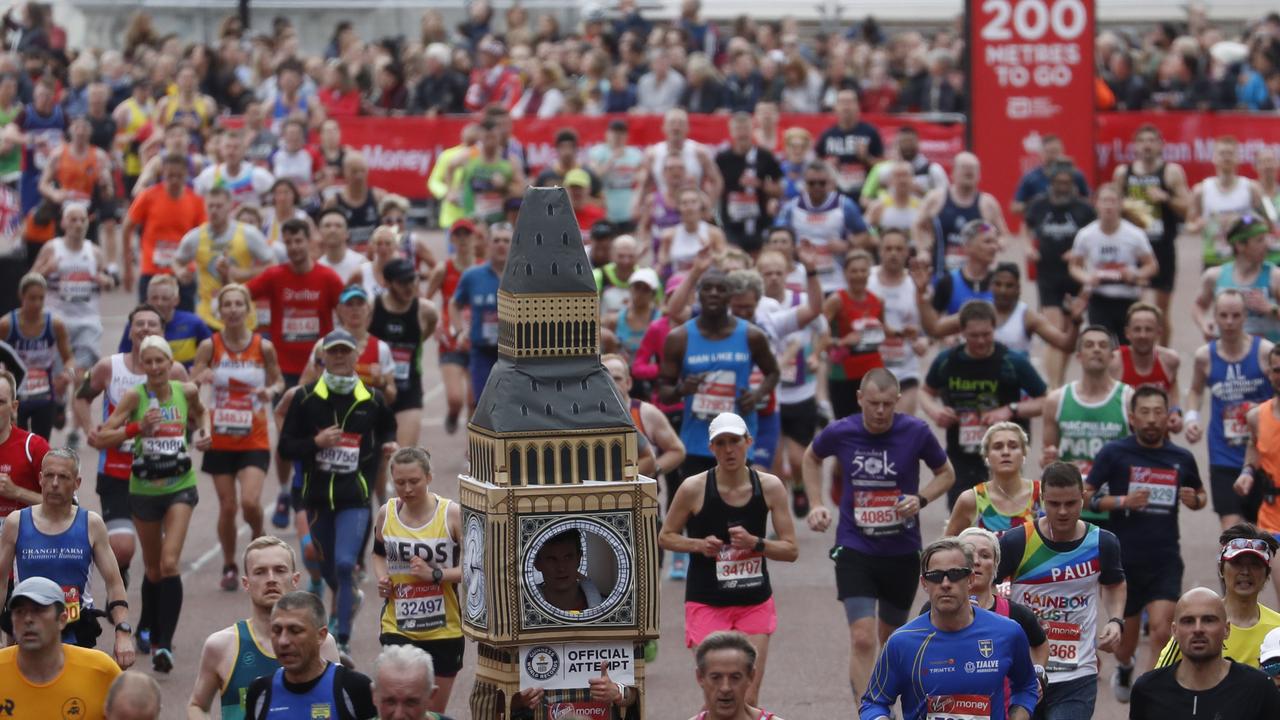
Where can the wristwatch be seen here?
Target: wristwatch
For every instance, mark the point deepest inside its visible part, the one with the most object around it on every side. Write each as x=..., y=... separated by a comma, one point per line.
x=436, y=575
x=124, y=627
x=759, y=545
x=1013, y=409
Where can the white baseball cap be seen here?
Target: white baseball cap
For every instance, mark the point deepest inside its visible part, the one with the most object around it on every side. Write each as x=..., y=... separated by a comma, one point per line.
x=727, y=423
x=1270, y=651
x=645, y=276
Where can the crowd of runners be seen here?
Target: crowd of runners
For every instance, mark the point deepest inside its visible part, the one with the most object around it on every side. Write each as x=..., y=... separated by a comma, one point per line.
x=793, y=319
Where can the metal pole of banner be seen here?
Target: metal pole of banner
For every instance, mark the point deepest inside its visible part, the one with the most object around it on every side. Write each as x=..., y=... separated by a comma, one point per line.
x=243, y=8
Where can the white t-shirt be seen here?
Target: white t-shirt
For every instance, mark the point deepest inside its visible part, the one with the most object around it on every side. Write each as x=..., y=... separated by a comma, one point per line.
x=900, y=311
x=347, y=267
x=295, y=166
x=1109, y=254
x=248, y=185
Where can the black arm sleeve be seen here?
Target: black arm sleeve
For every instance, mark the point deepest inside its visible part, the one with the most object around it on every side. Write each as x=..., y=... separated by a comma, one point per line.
x=1012, y=545
x=256, y=699
x=386, y=419
x=354, y=695
x=942, y=293
x=1109, y=555
x=1030, y=625
x=297, y=437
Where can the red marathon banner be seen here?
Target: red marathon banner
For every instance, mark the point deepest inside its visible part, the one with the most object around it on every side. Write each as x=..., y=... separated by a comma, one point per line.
x=1030, y=74
x=401, y=151
x=1188, y=139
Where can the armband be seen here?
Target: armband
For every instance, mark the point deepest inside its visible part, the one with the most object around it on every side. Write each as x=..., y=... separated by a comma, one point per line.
x=1191, y=416
x=1247, y=470
x=379, y=548
x=1176, y=409
x=133, y=430
x=923, y=500
x=115, y=604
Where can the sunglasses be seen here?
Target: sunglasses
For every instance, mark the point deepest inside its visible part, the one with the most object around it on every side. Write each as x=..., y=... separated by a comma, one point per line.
x=1272, y=668
x=815, y=183
x=1248, y=544
x=955, y=575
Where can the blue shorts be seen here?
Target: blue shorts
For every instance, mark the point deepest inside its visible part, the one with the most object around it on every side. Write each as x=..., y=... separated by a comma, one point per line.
x=768, y=433
x=481, y=363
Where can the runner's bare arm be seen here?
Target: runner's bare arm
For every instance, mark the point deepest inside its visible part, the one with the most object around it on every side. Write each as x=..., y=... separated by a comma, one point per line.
x=95, y=381
x=990, y=208
x=45, y=262
x=275, y=377
x=1051, y=433
x=963, y=513
x=712, y=180
x=1175, y=178
x=435, y=280
x=1147, y=268
x=47, y=187
x=819, y=518
x=112, y=433
x=8, y=546
x=1077, y=270
x=672, y=363
x=1202, y=308
x=63, y=340
x=1064, y=340
x=784, y=548
x=1172, y=364
x=105, y=183
x=1195, y=393
x=213, y=667
x=1244, y=482
x=1259, y=205
x=665, y=438
x=1195, y=211
x=671, y=537
x=105, y=560
x=943, y=478
x=381, y=575
x=200, y=370
x=428, y=318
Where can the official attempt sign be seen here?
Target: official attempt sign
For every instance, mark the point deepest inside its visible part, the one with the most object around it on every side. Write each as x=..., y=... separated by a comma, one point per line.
x=1031, y=74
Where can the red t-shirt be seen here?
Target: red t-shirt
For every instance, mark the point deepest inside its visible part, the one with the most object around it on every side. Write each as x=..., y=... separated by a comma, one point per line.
x=587, y=215
x=301, y=310
x=20, y=458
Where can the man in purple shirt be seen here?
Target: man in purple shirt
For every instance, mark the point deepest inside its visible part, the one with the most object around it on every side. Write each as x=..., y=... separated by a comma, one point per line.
x=877, y=552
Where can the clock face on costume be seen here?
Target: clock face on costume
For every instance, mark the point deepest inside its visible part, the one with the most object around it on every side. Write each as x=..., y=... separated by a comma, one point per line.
x=473, y=568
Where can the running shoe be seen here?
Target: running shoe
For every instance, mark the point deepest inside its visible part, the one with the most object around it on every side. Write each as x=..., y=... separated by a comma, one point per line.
x=73, y=440
x=333, y=625
x=679, y=565
x=344, y=650
x=59, y=416
x=162, y=660
x=451, y=423
x=356, y=602
x=143, y=643
x=360, y=575
x=1122, y=682
x=800, y=502
x=280, y=518
x=230, y=578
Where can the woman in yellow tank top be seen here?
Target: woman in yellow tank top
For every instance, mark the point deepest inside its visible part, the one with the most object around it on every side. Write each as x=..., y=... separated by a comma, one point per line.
x=1007, y=499
x=416, y=553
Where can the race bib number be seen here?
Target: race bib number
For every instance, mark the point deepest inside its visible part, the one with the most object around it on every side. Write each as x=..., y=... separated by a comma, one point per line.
x=743, y=206
x=342, y=458
x=717, y=394
x=893, y=351
x=419, y=606
x=870, y=335
x=169, y=439
x=232, y=412
x=876, y=512
x=403, y=358
x=71, y=597
x=300, y=326
x=957, y=707
x=971, y=431
x=851, y=175
x=1160, y=483
x=824, y=259
x=35, y=384
x=1064, y=646
x=1235, y=424
x=739, y=569
x=77, y=287
x=165, y=253
x=488, y=204
x=489, y=327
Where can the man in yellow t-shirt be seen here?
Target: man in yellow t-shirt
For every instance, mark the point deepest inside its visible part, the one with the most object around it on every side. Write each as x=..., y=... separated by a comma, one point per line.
x=42, y=677
x=1244, y=564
